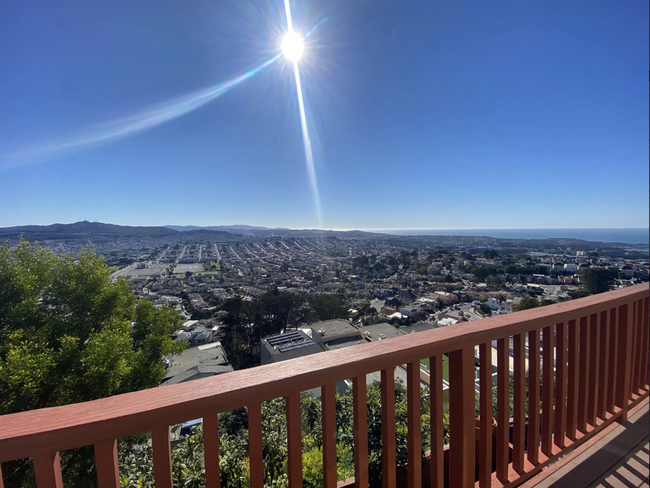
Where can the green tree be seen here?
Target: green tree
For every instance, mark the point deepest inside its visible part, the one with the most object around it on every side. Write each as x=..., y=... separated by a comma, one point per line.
x=597, y=280
x=67, y=334
x=329, y=306
x=525, y=304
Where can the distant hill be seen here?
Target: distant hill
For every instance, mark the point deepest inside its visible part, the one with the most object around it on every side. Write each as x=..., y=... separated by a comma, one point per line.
x=82, y=230
x=224, y=228
x=251, y=230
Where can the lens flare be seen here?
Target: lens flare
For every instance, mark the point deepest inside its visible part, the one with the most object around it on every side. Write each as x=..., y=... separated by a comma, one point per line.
x=292, y=46
x=144, y=120
x=306, y=140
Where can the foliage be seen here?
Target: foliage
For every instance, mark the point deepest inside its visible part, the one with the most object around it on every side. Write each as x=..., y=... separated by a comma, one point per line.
x=525, y=304
x=597, y=280
x=187, y=455
x=328, y=306
x=67, y=335
x=249, y=321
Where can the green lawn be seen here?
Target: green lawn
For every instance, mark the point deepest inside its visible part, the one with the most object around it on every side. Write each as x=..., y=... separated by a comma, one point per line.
x=445, y=366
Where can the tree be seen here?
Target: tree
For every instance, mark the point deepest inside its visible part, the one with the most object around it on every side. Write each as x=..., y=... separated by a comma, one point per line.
x=490, y=254
x=525, y=304
x=597, y=280
x=329, y=306
x=67, y=334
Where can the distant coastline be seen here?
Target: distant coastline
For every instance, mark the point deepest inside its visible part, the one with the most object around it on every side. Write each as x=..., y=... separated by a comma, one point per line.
x=627, y=236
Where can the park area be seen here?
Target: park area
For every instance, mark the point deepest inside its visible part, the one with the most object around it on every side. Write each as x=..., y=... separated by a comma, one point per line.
x=445, y=366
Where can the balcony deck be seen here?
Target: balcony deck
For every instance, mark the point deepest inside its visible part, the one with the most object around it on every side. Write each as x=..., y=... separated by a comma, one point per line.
x=582, y=364
x=620, y=458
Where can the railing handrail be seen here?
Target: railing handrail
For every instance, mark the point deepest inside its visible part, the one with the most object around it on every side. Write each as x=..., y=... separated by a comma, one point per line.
x=47, y=430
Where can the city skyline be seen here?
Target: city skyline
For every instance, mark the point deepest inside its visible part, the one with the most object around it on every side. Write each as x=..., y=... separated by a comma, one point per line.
x=429, y=116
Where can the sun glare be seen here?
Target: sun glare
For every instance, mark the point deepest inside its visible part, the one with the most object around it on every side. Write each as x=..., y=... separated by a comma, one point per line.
x=292, y=46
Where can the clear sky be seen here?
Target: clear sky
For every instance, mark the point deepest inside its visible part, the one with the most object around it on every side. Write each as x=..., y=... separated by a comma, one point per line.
x=432, y=114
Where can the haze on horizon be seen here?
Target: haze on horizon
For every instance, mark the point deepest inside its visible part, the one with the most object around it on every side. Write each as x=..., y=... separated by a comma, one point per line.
x=506, y=115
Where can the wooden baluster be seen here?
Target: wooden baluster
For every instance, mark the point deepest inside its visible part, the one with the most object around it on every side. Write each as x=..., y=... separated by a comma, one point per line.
x=47, y=470
x=485, y=440
x=519, y=414
x=462, y=428
x=634, y=312
x=414, y=439
x=211, y=451
x=360, y=418
x=256, y=459
x=645, y=369
x=604, y=366
x=389, y=448
x=547, y=390
x=612, y=378
x=503, y=409
x=560, y=384
x=624, y=359
x=533, y=396
x=162, y=458
x=294, y=441
x=107, y=465
x=638, y=342
x=594, y=366
x=583, y=374
x=437, y=429
x=328, y=401
x=572, y=382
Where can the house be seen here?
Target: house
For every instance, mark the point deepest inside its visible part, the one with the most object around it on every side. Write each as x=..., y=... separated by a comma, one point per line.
x=570, y=268
x=445, y=297
x=493, y=304
x=446, y=322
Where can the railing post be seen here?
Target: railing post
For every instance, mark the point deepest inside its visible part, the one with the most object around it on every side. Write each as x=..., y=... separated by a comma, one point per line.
x=503, y=410
x=47, y=470
x=604, y=365
x=294, y=441
x=572, y=383
x=107, y=465
x=645, y=369
x=162, y=458
x=533, y=396
x=211, y=451
x=414, y=439
x=360, y=420
x=560, y=384
x=255, y=456
x=461, y=418
x=519, y=400
x=485, y=461
x=388, y=454
x=436, y=479
x=583, y=375
x=547, y=390
x=594, y=366
x=328, y=402
x=624, y=360
x=612, y=374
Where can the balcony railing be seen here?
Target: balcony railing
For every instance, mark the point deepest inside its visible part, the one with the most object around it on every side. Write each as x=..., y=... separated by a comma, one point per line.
x=590, y=357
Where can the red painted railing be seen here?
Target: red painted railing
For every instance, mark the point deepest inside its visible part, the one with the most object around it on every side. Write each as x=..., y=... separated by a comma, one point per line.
x=593, y=367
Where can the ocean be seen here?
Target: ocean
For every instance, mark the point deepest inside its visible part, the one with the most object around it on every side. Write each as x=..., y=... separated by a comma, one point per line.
x=627, y=236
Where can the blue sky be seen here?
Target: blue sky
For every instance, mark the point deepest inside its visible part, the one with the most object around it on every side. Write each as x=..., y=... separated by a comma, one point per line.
x=422, y=114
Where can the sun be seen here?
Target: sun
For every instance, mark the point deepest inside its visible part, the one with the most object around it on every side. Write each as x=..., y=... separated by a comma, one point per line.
x=292, y=46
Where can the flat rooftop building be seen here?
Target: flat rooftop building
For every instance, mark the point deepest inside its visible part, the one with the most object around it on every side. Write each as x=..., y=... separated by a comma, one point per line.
x=291, y=344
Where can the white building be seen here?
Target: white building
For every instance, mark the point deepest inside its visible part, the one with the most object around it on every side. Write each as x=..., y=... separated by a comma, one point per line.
x=570, y=268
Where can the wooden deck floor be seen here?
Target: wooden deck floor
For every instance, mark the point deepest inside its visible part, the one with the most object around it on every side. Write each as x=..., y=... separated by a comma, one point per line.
x=620, y=459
